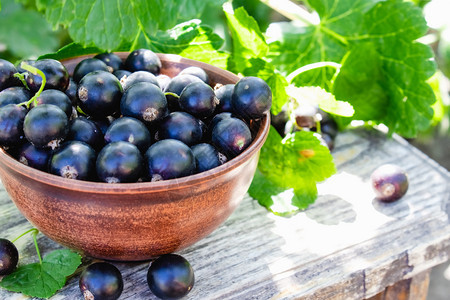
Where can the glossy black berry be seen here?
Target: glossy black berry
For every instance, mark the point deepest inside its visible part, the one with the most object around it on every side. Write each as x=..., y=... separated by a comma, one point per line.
x=56, y=97
x=99, y=93
x=9, y=256
x=170, y=276
x=143, y=60
x=7, y=71
x=85, y=130
x=224, y=93
x=74, y=160
x=198, y=99
x=207, y=157
x=71, y=91
x=231, y=136
x=14, y=95
x=101, y=281
x=86, y=66
x=56, y=75
x=11, y=124
x=119, y=162
x=144, y=101
x=139, y=76
x=196, y=71
x=34, y=157
x=306, y=115
x=176, y=86
x=113, y=61
x=169, y=158
x=252, y=97
x=389, y=182
x=181, y=126
x=121, y=74
x=329, y=127
x=46, y=125
x=129, y=130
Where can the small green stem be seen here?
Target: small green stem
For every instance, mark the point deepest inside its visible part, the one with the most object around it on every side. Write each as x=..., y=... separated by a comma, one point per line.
x=34, y=71
x=292, y=11
x=313, y=66
x=26, y=232
x=36, y=245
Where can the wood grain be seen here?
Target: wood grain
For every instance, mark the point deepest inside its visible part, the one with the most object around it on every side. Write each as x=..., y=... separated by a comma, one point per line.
x=347, y=245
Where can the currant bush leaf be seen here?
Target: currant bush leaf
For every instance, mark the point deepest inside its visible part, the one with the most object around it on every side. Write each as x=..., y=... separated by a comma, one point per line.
x=326, y=101
x=109, y=24
x=289, y=184
x=43, y=280
x=384, y=69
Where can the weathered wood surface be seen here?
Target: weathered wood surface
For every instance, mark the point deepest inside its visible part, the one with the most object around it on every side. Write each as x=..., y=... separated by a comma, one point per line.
x=345, y=246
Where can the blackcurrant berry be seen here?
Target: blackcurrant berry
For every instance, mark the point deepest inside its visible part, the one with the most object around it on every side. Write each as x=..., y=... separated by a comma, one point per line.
x=144, y=101
x=198, y=99
x=9, y=256
x=129, y=130
x=306, y=115
x=121, y=74
x=224, y=93
x=231, y=136
x=170, y=276
x=251, y=98
x=143, y=60
x=7, y=71
x=196, y=71
x=389, y=182
x=119, y=162
x=113, y=61
x=14, y=95
x=55, y=72
x=85, y=130
x=99, y=93
x=46, y=125
x=86, y=66
x=58, y=98
x=139, y=76
x=176, y=86
x=71, y=92
x=181, y=126
x=36, y=158
x=207, y=157
x=169, y=158
x=73, y=160
x=101, y=281
x=11, y=124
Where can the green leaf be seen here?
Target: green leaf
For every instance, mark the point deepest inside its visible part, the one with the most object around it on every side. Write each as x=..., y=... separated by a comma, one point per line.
x=21, y=36
x=43, y=280
x=326, y=101
x=384, y=69
x=191, y=40
x=108, y=24
x=289, y=169
x=71, y=50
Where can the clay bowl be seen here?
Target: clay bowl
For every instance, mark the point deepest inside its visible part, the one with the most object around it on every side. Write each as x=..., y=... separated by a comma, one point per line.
x=134, y=221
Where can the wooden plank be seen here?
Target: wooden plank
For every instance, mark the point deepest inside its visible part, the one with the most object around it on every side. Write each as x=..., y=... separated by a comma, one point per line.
x=347, y=245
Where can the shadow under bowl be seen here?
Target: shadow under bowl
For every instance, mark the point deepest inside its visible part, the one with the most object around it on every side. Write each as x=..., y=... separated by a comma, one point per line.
x=134, y=221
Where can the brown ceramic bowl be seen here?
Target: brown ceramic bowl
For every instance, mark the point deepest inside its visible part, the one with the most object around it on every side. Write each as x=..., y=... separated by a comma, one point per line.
x=134, y=221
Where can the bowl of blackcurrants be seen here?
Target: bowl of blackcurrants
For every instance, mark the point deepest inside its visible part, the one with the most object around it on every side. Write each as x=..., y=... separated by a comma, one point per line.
x=128, y=155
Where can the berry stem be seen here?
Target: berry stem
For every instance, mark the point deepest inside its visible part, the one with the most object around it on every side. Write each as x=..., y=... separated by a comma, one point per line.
x=34, y=71
x=34, y=232
x=313, y=66
x=26, y=232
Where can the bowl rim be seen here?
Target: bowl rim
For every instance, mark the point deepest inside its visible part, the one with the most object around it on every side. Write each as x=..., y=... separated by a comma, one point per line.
x=144, y=187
